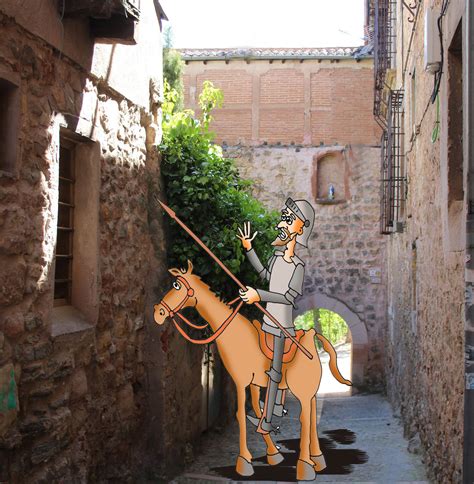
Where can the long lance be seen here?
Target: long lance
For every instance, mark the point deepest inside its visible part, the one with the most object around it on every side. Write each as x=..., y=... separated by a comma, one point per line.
x=173, y=215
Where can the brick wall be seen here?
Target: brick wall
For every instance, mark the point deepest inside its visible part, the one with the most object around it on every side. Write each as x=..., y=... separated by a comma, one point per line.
x=310, y=102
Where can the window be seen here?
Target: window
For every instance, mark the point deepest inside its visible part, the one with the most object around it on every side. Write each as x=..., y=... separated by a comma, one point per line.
x=65, y=230
x=76, y=267
x=454, y=178
x=384, y=54
x=413, y=104
x=393, y=182
x=9, y=117
x=455, y=119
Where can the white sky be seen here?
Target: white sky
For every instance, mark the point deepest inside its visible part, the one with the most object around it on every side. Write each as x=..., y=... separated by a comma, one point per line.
x=265, y=23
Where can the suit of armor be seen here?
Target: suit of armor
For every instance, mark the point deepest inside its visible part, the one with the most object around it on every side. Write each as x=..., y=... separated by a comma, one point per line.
x=285, y=284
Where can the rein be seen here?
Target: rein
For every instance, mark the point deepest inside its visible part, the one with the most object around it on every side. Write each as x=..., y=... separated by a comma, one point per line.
x=175, y=312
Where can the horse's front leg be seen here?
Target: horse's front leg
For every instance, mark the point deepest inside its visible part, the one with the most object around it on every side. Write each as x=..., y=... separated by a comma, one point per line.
x=273, y=454
x=244, y=460
x=316, y=455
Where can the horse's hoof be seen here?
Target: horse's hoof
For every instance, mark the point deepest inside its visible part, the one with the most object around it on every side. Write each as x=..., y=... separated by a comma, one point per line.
x=274, y=459
x=244, y=467
x=305, y=471
x=319, y=462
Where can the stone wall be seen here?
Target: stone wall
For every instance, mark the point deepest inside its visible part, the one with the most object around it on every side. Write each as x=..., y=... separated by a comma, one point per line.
x=86, y=398
x=345, y=248
x=425, y=353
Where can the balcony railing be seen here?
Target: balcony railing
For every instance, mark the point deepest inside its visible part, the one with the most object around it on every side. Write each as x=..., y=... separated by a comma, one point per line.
x=393, y=181
x=384, y=53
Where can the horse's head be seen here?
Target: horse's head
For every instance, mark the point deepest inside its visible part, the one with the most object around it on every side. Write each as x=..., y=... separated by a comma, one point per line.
x=180, y=296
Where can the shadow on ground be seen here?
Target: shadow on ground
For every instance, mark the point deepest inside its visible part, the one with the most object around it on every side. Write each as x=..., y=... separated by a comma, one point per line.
x=339, y=461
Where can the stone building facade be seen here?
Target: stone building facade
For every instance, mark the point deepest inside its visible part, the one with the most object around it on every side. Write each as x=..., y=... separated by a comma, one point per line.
x=297, y=121
x=88, y=383
x=425, y=208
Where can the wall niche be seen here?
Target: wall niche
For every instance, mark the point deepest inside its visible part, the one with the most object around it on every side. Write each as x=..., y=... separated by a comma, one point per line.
x=330, y=177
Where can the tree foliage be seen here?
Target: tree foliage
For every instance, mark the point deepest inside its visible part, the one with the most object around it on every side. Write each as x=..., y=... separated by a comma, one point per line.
x=207, y=193
x=331, y=324
x=173, y=66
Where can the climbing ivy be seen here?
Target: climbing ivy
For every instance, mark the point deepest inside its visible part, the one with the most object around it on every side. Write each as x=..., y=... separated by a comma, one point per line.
x=207, y=193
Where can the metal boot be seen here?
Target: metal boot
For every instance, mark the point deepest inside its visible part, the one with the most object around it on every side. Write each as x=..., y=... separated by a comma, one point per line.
x=279, y=409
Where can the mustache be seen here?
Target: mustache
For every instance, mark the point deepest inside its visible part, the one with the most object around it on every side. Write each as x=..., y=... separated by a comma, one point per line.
x=283, y=237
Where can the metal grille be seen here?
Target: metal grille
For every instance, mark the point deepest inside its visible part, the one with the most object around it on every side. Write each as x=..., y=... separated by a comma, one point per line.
x=384, y=52
x=393, y=182
x=63, y=257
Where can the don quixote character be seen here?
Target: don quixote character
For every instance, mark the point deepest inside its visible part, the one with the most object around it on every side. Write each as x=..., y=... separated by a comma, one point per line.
x=293, y=362
x=285, y=274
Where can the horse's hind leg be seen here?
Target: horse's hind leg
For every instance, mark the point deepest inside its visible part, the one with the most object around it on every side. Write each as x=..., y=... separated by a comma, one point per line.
x=273, y=455
x=305, y=466
x=316, y=455
x=244, y=460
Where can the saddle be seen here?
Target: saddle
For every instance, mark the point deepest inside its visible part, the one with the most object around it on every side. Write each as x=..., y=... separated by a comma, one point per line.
x=266, y=344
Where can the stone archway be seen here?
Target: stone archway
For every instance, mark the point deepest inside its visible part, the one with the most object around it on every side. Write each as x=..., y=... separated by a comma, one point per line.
x=360, y=340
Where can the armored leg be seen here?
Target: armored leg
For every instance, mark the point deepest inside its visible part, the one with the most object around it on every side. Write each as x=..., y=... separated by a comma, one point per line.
x=274, y=378
x=279, y=410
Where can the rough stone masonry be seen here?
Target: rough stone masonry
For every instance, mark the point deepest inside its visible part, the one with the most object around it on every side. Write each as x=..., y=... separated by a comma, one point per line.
x=88, y=391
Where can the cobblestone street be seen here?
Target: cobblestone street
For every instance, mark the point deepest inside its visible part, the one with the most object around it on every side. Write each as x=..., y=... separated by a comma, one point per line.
x=361, y=439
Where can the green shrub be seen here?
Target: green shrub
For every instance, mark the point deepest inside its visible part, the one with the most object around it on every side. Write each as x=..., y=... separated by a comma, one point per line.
x=332, y=326
x=207, y=193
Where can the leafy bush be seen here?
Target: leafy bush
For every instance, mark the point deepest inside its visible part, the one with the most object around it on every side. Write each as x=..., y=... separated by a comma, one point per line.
x=207, y=193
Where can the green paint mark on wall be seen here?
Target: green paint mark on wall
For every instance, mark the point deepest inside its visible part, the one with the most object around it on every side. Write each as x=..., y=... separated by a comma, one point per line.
x=8, y=394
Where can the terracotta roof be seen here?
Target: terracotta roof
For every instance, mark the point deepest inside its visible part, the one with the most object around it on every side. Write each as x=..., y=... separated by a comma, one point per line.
x=269, y=53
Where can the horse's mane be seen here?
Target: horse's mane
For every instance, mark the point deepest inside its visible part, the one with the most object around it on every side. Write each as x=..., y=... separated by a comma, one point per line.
x=199, y=282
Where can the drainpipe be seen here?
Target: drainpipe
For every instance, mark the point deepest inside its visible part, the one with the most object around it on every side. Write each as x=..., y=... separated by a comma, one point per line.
x=468, y=457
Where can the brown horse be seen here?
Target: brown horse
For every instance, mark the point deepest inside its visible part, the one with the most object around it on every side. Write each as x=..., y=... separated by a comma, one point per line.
x=240, y=352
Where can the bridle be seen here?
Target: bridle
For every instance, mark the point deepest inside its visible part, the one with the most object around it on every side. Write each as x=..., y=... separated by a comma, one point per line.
x=175, y=312
x=189, y=294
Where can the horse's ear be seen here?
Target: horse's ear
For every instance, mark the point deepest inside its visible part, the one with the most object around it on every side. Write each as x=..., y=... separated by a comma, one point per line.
x=174, y=271
x=190, y=267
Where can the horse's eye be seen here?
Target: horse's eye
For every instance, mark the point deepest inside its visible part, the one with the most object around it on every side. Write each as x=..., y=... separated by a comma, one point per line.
x=177, y=285
x=162, y=312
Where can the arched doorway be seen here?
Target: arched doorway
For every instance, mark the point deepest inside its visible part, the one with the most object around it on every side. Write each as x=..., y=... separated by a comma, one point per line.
x=355, y=324
x=336, y=330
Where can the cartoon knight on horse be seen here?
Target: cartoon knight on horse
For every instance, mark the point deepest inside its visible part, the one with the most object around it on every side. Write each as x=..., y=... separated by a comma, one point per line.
x=285, y=273
x=246, y=348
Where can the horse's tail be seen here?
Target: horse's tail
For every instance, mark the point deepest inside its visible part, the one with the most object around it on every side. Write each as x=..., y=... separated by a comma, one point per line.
x=328, y=347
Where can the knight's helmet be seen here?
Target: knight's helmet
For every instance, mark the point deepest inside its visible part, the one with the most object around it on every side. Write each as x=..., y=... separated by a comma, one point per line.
x=303, y=210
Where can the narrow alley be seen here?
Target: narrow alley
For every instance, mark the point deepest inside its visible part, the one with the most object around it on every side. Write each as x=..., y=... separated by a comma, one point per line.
x=359, y=435
x=198, y=197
